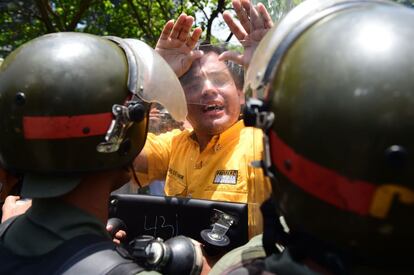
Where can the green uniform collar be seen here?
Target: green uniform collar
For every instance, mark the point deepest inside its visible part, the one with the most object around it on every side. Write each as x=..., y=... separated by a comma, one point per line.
x=47, y=224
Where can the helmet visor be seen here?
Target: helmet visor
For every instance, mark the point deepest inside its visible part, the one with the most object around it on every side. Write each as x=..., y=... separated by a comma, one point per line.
x=156, y=81
x=262, y=65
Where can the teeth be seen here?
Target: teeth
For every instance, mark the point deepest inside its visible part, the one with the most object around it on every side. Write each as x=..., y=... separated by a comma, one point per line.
x=212, y=107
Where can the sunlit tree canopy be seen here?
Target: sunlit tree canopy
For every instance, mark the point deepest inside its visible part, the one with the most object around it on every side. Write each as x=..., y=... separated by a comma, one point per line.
x=21, y=21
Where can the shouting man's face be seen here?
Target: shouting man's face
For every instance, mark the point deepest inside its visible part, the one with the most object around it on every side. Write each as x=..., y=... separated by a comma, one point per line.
x=212, y=96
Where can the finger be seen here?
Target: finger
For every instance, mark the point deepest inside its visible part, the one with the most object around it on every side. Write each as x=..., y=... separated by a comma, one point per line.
x=234, y=26
x=195, y=36
x=185, y=31
x=242, y=15
x=120, y=235
x=24, y=204
x=166, y=31
x=109, y=227
x=256, y=21
x=267, y=19
x=196, y=55
x=178, y=26
x=154, y=112
x=232, y=56
x=11, y=199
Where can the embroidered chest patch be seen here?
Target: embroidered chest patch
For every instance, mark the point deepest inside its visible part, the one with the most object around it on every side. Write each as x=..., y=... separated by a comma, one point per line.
x=226, y=177
x=175, y=174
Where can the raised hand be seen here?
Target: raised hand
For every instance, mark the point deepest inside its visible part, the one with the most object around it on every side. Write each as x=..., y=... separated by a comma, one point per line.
x=254, y=22
x=176, y=44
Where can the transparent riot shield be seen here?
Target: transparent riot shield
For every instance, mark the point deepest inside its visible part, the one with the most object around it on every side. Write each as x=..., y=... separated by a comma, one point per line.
x=257, y=19
x=158, y=82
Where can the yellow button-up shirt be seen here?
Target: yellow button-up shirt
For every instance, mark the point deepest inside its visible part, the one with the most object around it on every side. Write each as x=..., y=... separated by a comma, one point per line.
x=222, y=171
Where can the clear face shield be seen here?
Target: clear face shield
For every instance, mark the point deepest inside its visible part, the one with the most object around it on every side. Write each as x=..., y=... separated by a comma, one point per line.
x=260, y=184
x=209, y=76
x=150, y=80
x=266, y=60
x=161, y=121
x=277, y=9
x=206, y=76
x=218, y=79
x=159, y=82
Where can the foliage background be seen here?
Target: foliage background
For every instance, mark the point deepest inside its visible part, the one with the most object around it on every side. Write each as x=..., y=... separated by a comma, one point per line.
x=21, y=21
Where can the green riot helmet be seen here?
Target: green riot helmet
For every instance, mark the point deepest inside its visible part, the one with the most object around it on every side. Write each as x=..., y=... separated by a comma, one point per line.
x=72, y=103
x=334, y=89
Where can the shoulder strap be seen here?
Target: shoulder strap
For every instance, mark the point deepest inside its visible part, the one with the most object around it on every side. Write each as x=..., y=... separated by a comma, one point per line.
x=47, y=263
x=86, y=254
x=100, y=258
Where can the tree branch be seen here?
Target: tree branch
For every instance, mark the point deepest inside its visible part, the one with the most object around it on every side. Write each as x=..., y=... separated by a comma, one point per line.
x=58, y=21
x=166, y=13
x=148, y=10
x=140, y=22
x=201, y=8
x=83, y=7
x=45, y=16
x=229, y=37
x=214, y=14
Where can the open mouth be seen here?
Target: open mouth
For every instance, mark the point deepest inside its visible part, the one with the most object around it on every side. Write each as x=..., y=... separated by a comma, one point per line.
x=212, y=107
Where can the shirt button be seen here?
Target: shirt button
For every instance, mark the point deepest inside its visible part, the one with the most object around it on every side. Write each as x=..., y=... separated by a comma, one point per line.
x=217, y=147
x=198, y=165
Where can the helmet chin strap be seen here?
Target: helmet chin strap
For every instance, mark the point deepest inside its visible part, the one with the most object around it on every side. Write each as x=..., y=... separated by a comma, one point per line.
x=134, y=175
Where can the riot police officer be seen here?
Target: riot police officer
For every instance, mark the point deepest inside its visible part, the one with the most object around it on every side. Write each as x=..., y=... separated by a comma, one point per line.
x=334, y=92
x=74, y=111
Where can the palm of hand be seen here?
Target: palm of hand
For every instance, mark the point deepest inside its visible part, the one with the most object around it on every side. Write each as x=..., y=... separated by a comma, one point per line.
x=254, y=22
x=250, y=43
x=176, y=44
x=176, y=53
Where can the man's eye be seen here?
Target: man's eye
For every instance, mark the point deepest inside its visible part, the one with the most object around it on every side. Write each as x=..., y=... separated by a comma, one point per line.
x=193, y=87
x=220, y=81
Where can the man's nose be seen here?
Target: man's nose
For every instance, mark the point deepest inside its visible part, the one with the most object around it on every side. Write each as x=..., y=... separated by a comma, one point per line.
x=209, y=88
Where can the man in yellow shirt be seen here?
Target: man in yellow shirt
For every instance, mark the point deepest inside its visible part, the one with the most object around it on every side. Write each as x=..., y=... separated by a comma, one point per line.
x=213, y=161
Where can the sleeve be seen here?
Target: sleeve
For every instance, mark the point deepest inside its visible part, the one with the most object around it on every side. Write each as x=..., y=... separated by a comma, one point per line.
x=240, y=257
x=158, y=151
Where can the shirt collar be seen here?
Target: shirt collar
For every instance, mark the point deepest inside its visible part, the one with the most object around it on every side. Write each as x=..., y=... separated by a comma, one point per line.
x=218, y=140
x=232, y=132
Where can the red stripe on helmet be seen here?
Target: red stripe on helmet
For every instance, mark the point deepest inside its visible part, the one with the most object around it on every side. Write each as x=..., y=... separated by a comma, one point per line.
x=63, y=127
x=321, y=182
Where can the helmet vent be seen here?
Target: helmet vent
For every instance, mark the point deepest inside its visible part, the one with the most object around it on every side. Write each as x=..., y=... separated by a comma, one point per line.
x=86, y=130
x=396, y=156
x=20, y=98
